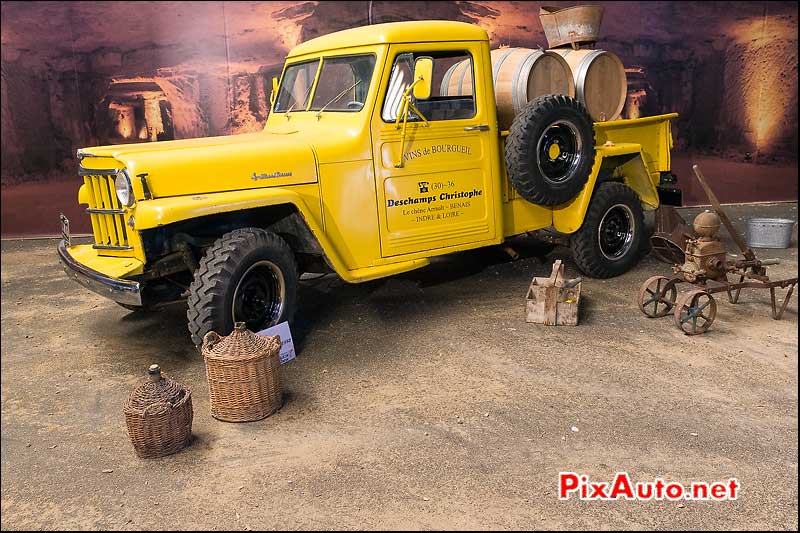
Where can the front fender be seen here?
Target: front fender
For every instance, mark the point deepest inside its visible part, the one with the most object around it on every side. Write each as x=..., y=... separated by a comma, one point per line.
x=624, y=161
x=162, y=211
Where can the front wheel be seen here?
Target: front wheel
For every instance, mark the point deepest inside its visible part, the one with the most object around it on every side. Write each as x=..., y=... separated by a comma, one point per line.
x=609, y=241
x=248, y=275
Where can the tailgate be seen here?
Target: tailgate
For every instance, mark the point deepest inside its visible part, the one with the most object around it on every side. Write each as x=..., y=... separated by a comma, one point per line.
x=652, y=133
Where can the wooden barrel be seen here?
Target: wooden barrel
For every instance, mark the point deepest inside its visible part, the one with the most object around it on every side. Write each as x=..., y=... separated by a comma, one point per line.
x=600, y=81
x=519, y=74
x=457, y=80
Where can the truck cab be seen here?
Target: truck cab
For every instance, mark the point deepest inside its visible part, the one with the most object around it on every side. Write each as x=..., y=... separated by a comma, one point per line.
x=365, y=168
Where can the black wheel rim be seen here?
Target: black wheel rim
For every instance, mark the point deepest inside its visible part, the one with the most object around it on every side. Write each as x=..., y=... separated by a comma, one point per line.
x=558, y=152
x=616, y=231
x=259, y=296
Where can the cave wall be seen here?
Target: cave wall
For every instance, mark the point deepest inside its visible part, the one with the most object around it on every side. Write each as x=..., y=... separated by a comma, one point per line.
x=728, y=68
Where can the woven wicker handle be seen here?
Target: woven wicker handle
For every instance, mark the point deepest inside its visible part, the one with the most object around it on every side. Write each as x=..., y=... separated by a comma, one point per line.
x=157, y=407
x=210, y=339
x=154, y=415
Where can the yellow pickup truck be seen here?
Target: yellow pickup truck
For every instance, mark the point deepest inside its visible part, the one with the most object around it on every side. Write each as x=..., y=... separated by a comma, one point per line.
x=365, y=168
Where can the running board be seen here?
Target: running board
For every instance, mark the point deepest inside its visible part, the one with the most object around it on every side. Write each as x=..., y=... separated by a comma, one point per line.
x=361, y=275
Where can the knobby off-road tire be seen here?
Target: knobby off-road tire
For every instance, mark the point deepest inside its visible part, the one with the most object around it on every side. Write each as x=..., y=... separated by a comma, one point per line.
x=248, y=275
x=550, y=150
x=609, y=242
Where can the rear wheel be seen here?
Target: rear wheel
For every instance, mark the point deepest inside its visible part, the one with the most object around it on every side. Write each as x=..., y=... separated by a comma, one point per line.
x=248, y=275
x=609, y=241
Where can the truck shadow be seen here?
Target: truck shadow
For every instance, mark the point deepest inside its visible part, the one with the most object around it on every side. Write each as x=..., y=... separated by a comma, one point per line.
x=461, y=265
x=324, y=300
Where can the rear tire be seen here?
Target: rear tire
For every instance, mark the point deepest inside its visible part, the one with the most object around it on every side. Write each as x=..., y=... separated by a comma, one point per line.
x=609, y=242
x=248, y=275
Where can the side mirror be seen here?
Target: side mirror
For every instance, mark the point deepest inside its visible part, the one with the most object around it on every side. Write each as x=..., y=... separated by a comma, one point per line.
x=274, y=92
x=423, y=75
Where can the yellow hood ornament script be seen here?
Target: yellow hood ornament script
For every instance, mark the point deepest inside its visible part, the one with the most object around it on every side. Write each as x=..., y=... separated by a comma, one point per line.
x=273, y=175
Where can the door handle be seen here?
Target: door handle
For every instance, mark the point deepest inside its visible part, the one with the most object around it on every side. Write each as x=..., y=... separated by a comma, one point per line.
x=482, y=127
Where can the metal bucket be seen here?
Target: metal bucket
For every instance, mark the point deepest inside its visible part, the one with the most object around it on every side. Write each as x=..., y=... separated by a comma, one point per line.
x=770, y=232
x=572, y=25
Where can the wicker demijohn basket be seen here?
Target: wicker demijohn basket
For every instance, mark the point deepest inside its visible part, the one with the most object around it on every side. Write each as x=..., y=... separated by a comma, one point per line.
x=158, y=414
x=244, y=374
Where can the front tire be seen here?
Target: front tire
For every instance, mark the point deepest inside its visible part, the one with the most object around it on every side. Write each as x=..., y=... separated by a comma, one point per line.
x=248, y=275
x=609, y=241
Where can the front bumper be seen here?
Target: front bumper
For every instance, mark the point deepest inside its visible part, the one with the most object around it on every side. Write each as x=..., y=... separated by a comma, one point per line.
x=119, y=290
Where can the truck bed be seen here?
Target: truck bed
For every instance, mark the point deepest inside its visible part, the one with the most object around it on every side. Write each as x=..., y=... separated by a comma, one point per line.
x=635, y=151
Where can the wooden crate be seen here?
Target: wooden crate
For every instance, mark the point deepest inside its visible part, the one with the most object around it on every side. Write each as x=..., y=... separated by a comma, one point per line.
x=554, y=301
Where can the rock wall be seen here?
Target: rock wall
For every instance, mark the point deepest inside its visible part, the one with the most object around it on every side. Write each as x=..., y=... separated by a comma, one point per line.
x=729, y=68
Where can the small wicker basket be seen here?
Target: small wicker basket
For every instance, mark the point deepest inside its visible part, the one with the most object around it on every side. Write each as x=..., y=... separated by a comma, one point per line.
x=159, y=415
x=244, y=374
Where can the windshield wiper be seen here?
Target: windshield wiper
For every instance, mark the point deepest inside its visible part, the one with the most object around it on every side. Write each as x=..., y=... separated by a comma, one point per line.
x=319, y=113
x=305, y=97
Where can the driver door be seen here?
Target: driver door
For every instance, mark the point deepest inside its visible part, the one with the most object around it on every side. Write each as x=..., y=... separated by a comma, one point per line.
x=435, y=188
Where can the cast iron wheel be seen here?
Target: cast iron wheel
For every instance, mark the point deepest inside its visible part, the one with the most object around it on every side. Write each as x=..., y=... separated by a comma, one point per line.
x=550, y=150
x=248, y=275
x=657, y=296
x=695, y=312
x=609, y=241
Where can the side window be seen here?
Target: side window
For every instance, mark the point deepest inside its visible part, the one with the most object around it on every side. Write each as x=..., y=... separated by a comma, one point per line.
x=402, y=70
x=452, y=89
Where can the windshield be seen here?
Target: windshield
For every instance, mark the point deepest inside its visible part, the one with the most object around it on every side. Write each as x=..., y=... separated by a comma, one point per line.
x=343, y=84
x=296, y=86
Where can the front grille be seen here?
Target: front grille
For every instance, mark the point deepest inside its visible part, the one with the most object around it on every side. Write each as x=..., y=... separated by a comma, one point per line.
x=108, y=216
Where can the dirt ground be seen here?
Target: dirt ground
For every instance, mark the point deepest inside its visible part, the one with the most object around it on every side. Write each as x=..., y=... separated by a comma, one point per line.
x=421, y=401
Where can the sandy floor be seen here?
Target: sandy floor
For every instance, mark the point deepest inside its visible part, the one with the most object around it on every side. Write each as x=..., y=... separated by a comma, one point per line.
x=421, y=401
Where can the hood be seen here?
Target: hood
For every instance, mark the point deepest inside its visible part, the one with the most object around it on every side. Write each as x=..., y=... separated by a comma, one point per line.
x=212, y=164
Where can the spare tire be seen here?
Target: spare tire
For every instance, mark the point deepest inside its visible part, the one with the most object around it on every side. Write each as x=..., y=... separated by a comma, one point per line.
x=550, y=150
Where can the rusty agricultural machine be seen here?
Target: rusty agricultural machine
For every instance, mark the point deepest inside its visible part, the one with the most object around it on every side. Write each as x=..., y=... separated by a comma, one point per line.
x=700, y=259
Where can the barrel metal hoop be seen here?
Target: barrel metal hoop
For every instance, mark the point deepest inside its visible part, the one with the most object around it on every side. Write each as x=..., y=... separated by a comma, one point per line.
x=582, y=71
x=468, y=67
x=445, y=88
x=530, y=58
x=496, y=67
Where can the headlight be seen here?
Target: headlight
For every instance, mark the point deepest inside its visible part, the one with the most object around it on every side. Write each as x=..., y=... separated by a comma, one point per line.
x=122, y=183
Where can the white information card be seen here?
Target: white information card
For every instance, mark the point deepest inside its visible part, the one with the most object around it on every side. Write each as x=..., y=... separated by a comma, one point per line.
x=287, y=344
